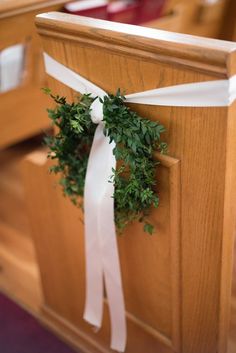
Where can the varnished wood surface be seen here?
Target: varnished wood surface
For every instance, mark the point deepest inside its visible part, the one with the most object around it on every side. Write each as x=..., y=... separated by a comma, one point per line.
x=168, y=47
x=15, y=7
x=177, y=284
x=56, y=210
x=232, y=328
x=19, y=274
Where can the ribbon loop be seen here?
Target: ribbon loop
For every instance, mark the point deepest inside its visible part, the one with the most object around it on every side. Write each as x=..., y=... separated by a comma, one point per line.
x=96, y=111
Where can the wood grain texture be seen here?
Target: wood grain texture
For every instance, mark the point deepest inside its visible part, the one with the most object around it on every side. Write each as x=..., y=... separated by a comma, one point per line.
x=196, y=218
x=228, y=227
x=232, y=328
x=147, y=334
x=192, y=52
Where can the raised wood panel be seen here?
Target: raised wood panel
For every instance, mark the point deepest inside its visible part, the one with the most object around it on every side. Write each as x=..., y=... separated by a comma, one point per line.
x=160, y=288
x=137, y=59
x=62, y=270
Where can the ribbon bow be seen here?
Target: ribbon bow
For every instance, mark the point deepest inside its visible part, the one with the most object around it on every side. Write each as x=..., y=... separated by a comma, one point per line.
x=102, y=258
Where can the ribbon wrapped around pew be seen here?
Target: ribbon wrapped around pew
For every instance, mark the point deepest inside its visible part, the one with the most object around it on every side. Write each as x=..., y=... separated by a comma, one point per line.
x=102, y=259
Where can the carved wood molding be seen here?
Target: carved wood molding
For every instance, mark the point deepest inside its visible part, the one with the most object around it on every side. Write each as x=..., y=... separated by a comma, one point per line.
x=199, y=53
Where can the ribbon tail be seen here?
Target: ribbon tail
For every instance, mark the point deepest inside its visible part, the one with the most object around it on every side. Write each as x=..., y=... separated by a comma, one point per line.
x=94, y=276
x=101, y=251
x=93, y=256
x=110, y=259
x=112, y=275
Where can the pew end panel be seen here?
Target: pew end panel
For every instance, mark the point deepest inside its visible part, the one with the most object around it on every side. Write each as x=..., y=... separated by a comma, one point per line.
x=177, y=283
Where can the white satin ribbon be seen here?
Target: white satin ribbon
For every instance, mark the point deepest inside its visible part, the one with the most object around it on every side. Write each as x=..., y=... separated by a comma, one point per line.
x=101, y=251
x=11, y=67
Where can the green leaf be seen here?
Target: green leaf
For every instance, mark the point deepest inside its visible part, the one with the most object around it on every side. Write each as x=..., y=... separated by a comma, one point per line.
x=136, y=140
x=148, y=228
x=46, y=90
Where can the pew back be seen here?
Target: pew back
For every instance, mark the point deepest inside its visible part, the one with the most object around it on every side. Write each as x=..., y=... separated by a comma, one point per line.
x=177, y=282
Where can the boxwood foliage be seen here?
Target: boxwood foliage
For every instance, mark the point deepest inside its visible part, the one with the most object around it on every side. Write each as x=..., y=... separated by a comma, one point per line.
x=136, y=140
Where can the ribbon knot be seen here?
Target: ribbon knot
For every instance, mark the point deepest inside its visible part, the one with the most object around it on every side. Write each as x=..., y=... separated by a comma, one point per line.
x=96, y=111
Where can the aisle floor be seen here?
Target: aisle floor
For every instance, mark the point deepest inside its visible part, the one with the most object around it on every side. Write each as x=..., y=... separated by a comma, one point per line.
x=22, y=333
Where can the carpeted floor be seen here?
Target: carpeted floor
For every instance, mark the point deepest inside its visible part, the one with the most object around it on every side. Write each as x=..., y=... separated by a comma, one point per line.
x=22, y=333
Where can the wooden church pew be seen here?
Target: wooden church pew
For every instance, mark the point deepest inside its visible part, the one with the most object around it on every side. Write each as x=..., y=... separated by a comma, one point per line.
x=177, y=16
x=197, y=17
x=22, y=110
x=229, y=23
x=209, y=18
x=22, y=115
x=177, y=283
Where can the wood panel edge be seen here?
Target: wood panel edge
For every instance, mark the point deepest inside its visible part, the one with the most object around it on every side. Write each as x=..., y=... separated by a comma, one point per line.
x=69, y=332
x=229, y=222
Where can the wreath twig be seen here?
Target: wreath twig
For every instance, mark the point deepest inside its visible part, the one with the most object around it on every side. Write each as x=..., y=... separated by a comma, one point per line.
x=136, y=140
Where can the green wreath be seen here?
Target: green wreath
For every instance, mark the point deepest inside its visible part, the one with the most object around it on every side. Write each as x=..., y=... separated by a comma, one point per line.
x=136, y=141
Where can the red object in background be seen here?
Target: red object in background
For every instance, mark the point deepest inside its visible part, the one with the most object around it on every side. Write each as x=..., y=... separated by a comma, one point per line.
x=150, y=10
x=89, y=8
x=124, y=11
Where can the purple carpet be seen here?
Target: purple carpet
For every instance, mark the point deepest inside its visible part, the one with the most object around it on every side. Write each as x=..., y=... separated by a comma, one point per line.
x=22, y=333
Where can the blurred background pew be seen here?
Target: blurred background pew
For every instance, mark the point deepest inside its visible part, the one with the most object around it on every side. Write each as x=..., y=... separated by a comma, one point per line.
x=22, y=117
